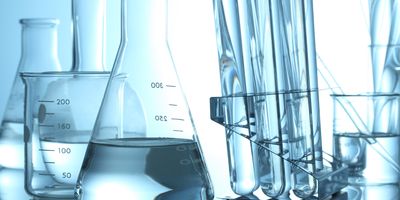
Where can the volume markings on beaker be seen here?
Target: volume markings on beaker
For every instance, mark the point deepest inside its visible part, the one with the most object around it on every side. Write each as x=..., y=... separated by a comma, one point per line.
x=63, y=154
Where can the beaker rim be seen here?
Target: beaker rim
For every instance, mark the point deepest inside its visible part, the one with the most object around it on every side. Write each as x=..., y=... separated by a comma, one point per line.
x=383, y=45
x=66, y=74
x=367, y=94
x=39, y=21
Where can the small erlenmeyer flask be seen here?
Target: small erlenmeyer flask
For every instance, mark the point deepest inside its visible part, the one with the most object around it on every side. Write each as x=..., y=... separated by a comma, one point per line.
x=38, y=53
x=144, y=145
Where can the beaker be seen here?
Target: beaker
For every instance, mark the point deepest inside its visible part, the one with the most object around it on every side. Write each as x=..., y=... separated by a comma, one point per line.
x=61, y=108
x=144, y=144
x=38, y=53
x=371, y=192
x=367, y=136
x=60, y=111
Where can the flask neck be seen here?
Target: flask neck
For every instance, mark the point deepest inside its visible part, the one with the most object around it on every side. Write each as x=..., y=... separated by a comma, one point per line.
x=39, y=51
x=88, y=18
x=145, y=23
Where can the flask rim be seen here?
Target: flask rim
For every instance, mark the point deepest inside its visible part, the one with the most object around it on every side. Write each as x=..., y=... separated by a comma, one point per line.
x=65, y=74
x=39, y=21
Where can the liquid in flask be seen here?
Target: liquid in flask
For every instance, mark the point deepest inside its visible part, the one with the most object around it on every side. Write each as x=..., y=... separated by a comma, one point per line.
x=38, y=53
x=144, y=144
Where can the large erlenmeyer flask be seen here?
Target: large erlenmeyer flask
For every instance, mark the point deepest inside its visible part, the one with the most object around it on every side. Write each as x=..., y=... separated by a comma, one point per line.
x=144, y=144
x=38, y=53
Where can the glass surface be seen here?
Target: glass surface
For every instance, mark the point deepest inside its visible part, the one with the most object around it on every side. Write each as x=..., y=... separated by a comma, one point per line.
x=295, y=122
x=144, y=144
x=38, y=53
x=268, y=47
x=12, y=184
x=384, y=35
x=61, y=108
x=88, y=20
x=386, y=191
x=366, y=133
x=60, y=111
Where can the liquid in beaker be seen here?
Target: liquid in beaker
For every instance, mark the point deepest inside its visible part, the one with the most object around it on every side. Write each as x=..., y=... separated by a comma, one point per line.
x=60, y=112
x=369, y=147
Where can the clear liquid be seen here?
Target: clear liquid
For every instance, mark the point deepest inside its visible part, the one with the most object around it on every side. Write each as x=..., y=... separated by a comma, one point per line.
x=143, y=168
x=243, y=170
x=12, y=184
x=54, y=163
x=12, y=145
x=366, y=165
x=63, y=155
x=274, y=171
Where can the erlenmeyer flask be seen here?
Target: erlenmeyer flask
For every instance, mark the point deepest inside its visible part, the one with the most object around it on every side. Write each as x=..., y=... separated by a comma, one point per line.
x=38, y=53
x=144, y=144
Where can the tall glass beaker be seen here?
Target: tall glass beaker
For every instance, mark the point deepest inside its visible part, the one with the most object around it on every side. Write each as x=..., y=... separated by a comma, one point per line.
x=38, y=53
x=144, y=145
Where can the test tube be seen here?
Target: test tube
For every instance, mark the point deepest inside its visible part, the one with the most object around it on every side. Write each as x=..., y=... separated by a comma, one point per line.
x=242, y=154
x=268, y=47
x=293, y=44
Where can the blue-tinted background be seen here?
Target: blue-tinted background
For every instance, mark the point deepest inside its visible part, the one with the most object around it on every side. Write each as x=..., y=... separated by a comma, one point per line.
x=192, y=42
x=341, y=37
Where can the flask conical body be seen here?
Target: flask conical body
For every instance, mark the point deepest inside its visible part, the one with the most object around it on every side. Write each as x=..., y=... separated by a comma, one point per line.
x=144, y=144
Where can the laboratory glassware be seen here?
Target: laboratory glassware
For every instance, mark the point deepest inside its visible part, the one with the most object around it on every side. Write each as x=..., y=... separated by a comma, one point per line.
x=384, y=35
x=144, y=144
x=264, y=47
x=38, y=53
x=60, y=111
x=366, y=138
x=290, y=149
x=89, y=45
x=370, y=192
x=242, y=154
x=61, y=108
x=12, y=184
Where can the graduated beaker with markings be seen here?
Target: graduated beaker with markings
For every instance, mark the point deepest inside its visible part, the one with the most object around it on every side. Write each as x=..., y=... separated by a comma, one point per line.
x=60, y=110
